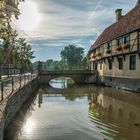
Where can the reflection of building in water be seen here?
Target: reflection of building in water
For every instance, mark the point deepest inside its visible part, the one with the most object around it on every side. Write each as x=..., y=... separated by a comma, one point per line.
x=119, y=109
x=40, y=92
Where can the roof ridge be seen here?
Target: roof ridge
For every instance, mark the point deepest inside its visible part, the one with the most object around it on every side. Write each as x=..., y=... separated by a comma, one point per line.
x=125, y=25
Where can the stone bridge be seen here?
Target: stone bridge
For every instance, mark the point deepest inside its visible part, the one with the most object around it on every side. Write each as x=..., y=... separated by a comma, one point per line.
x=79, y=76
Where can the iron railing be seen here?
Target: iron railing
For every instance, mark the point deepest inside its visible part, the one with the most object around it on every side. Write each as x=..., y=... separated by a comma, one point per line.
x=10, y=85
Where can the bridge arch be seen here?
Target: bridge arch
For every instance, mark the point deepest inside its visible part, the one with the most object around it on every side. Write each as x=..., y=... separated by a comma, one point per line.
x=80, y=77
x=61, y=82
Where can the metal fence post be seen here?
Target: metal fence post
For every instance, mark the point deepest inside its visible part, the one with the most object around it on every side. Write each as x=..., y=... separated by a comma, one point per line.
x=12, y=84
x=20, y=81
x=24, y=79
x=28, y=77
x=2, y=91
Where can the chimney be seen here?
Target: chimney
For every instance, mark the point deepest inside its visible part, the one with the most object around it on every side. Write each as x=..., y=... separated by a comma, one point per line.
x=138, y=2
x=118, y=14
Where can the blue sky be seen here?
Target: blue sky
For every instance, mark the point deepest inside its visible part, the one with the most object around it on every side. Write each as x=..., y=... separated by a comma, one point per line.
x=63, y=22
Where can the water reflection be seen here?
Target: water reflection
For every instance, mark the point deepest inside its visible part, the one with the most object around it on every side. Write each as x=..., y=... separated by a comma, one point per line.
x=40, y=99
x=119, y=111
x=61, y=82
x=81, y=113
x=21, y=121
x=29, y=125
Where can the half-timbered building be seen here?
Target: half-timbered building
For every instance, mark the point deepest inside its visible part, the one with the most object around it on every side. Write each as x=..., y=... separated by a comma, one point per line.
x=116, y=52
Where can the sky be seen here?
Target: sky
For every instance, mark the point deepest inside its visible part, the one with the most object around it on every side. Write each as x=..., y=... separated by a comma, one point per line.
x=50, y=25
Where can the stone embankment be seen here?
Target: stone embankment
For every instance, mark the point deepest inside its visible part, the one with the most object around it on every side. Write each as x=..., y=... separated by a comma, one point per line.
x=11, y=105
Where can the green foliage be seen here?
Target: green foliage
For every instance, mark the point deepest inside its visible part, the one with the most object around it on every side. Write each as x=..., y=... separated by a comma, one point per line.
x=73, y=57
x=53, y=65
x=9, y=42
x=49, y=64
x=13, y=50
x=23, y=53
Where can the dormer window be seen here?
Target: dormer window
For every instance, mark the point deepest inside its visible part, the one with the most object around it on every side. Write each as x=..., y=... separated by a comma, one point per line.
x=119, y=42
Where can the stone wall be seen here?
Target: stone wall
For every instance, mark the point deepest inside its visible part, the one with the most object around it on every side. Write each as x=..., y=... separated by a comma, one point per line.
x=13, y=104
x=132, y=84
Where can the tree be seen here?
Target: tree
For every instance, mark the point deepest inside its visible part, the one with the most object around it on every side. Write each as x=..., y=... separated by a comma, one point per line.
x=84, y=63
x=49, y=64
x=8, y=8
x=73, y=56
x=56, y=65
x=8, y=46
x=23, y=53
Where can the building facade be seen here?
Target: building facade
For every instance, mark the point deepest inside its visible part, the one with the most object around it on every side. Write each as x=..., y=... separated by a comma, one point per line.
x=116, y=52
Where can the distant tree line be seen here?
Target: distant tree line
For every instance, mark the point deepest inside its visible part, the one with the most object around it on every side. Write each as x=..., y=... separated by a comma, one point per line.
x=72, y=58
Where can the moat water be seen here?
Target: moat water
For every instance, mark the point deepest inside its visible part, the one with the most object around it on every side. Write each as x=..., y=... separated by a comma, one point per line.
x=78, y=113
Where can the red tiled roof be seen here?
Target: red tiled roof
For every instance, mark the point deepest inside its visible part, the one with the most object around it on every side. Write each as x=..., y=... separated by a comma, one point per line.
x=128, y=23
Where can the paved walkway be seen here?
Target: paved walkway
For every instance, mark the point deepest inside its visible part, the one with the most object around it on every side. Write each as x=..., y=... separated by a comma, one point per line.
x=11, y=85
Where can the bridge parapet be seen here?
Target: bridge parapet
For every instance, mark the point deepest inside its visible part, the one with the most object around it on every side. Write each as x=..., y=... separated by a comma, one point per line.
x=69, y=72
x=79, y=76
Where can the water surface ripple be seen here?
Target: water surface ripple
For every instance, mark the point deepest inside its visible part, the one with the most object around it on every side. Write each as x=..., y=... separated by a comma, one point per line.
x=79, y=113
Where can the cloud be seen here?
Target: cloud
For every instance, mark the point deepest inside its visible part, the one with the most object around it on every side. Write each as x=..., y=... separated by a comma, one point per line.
x=73, y=21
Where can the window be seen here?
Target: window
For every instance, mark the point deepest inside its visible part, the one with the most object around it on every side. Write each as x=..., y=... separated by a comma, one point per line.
x=109, y=46
x=120, y=60
x=139, y=40
x=95, y=66
x=127, y=39
x=110, y=64
x=119, y=41
x=132, y=62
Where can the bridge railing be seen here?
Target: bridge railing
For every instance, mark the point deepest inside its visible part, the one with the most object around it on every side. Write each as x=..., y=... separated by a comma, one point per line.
x=9, y=85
